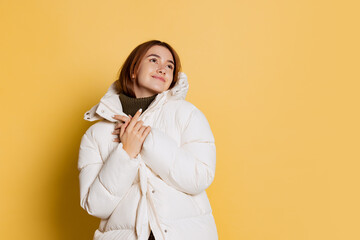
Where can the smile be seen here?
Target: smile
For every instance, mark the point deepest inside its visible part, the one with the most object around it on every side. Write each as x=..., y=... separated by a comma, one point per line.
x=161, y=79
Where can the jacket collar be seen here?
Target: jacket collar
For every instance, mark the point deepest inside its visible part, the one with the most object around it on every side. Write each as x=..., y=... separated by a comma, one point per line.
x=110, y=103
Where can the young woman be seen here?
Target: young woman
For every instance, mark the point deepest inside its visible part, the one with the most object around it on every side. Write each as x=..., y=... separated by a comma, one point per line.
x=145, y=165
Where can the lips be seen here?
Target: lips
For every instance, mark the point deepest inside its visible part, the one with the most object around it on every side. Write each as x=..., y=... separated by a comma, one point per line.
x=160, y=78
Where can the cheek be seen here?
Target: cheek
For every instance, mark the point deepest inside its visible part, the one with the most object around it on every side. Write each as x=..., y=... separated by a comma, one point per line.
x=168, y=84
x=171, y=80
x=145, y=68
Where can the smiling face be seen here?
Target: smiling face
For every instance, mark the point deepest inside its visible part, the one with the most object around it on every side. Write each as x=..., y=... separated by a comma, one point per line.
x=155, y=72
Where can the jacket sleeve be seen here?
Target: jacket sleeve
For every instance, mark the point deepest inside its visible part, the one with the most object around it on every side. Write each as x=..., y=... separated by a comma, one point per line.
x=190, y=167
x=103, y=184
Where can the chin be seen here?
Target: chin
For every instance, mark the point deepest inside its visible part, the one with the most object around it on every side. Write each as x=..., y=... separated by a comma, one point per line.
x=158, y=90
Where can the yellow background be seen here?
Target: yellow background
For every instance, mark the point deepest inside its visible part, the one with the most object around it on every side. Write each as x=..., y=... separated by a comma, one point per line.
x=277, y=80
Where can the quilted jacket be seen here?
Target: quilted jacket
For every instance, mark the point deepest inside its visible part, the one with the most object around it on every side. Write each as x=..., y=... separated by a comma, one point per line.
x=163, y=188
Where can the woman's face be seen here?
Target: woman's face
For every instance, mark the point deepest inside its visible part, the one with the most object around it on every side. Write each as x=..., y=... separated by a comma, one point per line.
x=155, y=72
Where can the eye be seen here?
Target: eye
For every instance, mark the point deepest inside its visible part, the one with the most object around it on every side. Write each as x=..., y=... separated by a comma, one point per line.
x=155, y=60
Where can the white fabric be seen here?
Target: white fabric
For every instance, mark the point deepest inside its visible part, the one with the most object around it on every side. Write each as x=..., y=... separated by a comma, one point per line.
x=163, y=188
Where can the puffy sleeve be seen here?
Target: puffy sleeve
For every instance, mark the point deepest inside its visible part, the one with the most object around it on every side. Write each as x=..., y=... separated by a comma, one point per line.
x=190, y=167
x=103, y=183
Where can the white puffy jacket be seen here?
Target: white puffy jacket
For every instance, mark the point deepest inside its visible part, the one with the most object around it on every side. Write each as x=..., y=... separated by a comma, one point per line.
x=163, y=188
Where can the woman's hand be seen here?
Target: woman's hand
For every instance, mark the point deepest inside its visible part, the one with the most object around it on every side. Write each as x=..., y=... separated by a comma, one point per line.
x=125, y=121
x=132, y=133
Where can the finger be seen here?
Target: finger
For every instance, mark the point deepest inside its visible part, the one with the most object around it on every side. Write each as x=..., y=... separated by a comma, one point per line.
x=146, y=132
x=138, y=125
x=116, y=140
x=116, y=132
x=118, y=125
x=141, y=130
x=137, y=114
x=134, y=119
x=120, y=117
x=123, y=127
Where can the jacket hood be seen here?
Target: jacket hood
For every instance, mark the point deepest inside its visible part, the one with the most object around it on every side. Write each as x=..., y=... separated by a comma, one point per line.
x=110, y=103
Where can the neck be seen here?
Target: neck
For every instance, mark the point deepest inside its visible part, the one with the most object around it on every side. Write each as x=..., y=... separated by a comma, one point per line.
x=141, y=92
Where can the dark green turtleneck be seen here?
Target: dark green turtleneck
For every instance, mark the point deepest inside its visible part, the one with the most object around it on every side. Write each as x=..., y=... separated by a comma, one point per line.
x=131, y=105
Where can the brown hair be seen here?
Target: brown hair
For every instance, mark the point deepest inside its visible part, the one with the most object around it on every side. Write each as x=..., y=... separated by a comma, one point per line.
x=124, y=83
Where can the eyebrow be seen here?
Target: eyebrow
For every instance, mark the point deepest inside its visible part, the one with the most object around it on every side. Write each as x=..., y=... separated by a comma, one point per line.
x=159, y=57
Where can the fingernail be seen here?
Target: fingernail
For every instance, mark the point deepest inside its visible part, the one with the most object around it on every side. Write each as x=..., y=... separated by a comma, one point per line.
x=140, y=110
x=113, y=116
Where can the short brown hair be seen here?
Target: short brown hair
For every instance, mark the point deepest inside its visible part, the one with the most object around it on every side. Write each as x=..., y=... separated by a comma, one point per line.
x=124, y=83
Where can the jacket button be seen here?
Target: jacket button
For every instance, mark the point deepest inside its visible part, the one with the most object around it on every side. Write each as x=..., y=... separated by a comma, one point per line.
x=88, y=117
x=87, y=113
x=153, y=191
x=165, y=230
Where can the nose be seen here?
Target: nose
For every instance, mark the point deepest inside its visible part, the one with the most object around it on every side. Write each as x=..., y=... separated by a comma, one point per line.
x=161, y=70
